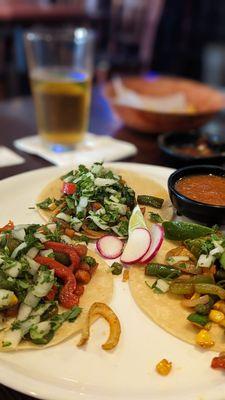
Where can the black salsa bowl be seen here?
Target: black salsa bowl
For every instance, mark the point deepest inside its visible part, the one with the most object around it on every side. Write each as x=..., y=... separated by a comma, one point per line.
x=201, y=212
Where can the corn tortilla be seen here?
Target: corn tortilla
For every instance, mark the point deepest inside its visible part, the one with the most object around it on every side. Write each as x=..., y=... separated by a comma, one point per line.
x=166, y=309
x=141, y=184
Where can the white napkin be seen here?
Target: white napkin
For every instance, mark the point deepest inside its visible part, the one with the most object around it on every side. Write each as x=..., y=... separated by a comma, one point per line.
x=174, y=102
x=94, y=148
x=8, y=157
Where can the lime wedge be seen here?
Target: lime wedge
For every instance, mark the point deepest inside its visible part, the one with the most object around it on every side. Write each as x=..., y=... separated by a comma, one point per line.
x=136, y=220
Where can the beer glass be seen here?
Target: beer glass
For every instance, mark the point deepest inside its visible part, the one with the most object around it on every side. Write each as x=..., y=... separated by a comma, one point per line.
x=60, y=66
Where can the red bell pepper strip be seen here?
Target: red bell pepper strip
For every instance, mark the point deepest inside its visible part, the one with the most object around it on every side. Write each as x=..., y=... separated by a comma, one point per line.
x=218, y=362
x=67, y=295
x=67, y=249
x=51, y=295
x=69, y=188
x=7, y=227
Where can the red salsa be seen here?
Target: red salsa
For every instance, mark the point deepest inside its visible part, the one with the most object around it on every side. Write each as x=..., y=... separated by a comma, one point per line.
x=208, y=189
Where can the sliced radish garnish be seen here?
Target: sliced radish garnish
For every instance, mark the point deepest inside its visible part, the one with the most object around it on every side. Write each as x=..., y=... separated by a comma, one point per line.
x=157, y=235
x=137, y=246
x=109, y=246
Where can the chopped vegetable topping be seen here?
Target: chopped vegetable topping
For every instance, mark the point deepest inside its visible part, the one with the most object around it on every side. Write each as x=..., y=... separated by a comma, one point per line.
x=94, y=199
x=33, y=281
x=151, y=201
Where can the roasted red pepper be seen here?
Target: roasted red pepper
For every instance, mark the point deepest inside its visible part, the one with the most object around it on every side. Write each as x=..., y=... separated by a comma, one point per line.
x=51, y=295
x=69, y=188
x=7, y=227
x=67, y=296
x=218, y=362
x=67, y=249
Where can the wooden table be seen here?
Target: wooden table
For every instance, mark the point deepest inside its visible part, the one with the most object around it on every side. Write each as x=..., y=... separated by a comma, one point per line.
x=17, y=120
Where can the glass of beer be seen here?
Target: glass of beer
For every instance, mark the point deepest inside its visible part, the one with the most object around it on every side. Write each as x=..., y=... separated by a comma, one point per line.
x=60, y=67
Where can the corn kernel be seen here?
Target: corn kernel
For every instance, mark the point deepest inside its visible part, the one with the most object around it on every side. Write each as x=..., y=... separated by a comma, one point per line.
x=217, y=305
x=14, y=300
x=216, y=316
x=203, y=339
x=164, y=367
x=222, y=323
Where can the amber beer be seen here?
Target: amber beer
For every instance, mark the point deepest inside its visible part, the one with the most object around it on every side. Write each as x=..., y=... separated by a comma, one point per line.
x=62, y=100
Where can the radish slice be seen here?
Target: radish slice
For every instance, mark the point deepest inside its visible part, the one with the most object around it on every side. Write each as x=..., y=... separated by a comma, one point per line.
x=109, y=246
x=137, y=246
x=157, y=235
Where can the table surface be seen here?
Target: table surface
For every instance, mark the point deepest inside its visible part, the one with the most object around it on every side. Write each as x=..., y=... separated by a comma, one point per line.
x=17, y=119
x=32, y=12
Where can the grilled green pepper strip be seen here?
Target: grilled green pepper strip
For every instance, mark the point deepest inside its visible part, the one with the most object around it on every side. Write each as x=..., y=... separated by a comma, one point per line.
x=204, y=309
x=195, y=245
x=151, y=201
x=198, y=319
x=200, y=279
x=179, y=230
x=181, y=288
x=154, y=217
x=161, y=271
x=207, y=288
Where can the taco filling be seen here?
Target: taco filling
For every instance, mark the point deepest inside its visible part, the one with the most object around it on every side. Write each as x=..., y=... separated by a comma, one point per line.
x=183, y=288
x=96, y=200
x=46, y=283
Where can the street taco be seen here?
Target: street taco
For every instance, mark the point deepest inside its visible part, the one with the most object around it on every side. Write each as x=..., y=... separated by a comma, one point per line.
x=46, y=286
x=182, y=289
x=95, y=201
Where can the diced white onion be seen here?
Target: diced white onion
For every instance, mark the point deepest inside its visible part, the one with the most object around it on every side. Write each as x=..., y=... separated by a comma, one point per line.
x=43, y=327
x=41, y=309
x=64, y=217
x=24, y=312
x=31, y=300
x=43, y=285
x=52, y=227
x=40, y=236
x=27, y=324
x=19, y=233
x=46, y=253
x=66, y=239
x=205, y=261
x=83, y=202
x=33, y=265
x=12, y=338
x=17, y=249
x=104, y=182
x=162, y=285
x=32, y=252
x=217, y=250
x=14, y=270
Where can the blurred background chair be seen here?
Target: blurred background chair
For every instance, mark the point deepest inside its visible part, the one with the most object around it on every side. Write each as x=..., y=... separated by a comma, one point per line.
x=172, y=37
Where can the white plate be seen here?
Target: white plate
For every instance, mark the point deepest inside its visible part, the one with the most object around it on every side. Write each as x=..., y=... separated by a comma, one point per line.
x=65, y=372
